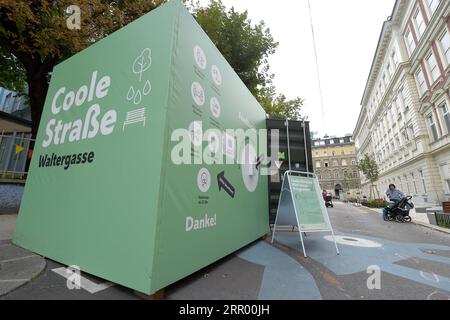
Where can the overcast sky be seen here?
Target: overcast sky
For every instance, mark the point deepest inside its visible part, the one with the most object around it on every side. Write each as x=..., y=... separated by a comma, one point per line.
x=346, y=33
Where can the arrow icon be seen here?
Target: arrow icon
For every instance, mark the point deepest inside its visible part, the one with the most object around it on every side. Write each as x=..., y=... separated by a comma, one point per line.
x=225, y=184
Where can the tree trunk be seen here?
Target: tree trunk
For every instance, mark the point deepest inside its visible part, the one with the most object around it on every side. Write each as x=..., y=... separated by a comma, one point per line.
x=37, y=91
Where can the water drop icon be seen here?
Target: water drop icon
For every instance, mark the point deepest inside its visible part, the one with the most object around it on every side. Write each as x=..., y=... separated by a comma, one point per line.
x=130, y=93
x=138, y=97
x=147, y=88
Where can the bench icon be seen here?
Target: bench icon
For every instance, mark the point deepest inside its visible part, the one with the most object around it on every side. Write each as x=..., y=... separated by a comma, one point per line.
x=133, y=117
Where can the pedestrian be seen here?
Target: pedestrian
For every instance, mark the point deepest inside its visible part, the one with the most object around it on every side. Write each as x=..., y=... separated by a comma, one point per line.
x=394, y=195
x=324, y=194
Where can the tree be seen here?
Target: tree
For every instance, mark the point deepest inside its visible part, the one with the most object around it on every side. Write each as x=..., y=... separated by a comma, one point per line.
x=277, y=106
x=247, y=49
x=369, y=168
x=12, y=74
x=34, y=37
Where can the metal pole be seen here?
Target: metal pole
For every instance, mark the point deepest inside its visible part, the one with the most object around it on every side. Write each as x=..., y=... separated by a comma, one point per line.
x=288, y=145
x=306, y=145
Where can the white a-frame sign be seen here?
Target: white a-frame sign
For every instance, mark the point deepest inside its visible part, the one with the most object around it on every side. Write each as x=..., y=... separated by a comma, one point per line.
x=301, y=204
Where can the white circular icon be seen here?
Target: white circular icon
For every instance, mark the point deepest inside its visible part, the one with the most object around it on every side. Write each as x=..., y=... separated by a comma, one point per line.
x=200, y=57
x=213, y=142
x=354, y=242
x=196, y=133
x=204, y=180
x=216, y=75
x=198, y=94
x=249, y=167
x=215, y=107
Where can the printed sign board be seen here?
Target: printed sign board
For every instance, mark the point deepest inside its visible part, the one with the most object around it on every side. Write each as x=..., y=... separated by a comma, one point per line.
x=301, y=205
x=114, y=188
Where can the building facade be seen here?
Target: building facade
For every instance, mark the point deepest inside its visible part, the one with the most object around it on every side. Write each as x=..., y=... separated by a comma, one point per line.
x=335, y=163
x=404, y=123
x=15, y=134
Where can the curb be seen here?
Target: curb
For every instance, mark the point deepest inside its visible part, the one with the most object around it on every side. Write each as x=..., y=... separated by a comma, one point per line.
x=16, y=268
x=426, y=225
x=430, y=226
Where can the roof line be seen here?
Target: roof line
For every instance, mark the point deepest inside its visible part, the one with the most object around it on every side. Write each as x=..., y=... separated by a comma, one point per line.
x=15, y=119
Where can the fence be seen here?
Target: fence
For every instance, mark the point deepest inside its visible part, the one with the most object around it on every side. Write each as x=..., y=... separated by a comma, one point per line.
x=443, y=220
x=14, y=153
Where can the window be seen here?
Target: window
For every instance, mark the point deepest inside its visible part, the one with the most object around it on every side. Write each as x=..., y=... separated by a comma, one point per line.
x=355, y=174
x=336, y=174
x=318, y=164
x=413, y=179
x=353, y=162
x=432, y=126
x=444, y=44
x=335, y=163
x=419, y=23
x=326, y=163
x=341, y=141
x=317, y=143
x=405, y=135
x=397, y=141
x=333, y=153
x=445, y=115
x=331, y=141
x=407, y=183
x=432, y=5
x=424, y=187
x=394, y=59
x=432, y=67
x=343, y=153
x=388, y=71
x=344, y=162
x=410, y=42
x=420, y=78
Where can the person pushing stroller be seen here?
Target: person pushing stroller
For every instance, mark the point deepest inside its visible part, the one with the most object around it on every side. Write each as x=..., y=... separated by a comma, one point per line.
x=394, y=195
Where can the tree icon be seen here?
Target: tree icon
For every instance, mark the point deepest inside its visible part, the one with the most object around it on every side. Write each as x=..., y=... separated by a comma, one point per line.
x=142, y=62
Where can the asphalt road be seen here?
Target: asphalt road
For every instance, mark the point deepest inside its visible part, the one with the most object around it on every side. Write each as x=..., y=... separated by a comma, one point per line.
x=413, y=263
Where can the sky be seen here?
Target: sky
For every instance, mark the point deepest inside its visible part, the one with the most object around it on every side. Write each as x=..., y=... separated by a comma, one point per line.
x=346, y=33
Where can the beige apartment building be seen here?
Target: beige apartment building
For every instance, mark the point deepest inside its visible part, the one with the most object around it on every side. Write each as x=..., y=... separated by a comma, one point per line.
x=334, y=162
x=404, y=123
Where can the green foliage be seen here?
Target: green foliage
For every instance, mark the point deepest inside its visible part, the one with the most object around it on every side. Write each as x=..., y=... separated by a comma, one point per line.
x=369, y=168
x=277, y=106
x=12, y=73
x=245, y=46
x=377, y=203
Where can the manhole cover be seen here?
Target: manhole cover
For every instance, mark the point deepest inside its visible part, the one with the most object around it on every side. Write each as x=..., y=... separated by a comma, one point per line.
x=353, y=241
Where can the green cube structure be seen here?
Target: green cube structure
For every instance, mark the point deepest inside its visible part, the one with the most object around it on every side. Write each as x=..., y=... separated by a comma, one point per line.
x=113, y=188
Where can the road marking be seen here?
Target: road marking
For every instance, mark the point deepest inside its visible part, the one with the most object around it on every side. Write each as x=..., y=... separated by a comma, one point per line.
x=354, y=242
x=15, y=280
x=85, y=283
x=17, y=259
x=425, y=276
x=430, y=296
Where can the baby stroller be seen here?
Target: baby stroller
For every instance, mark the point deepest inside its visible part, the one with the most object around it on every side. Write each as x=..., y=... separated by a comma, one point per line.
x=399, y=211
x=328, y=201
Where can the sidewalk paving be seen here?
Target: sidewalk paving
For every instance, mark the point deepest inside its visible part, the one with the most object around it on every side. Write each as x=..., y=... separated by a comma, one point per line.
x=17, y=266
x=417, y=218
